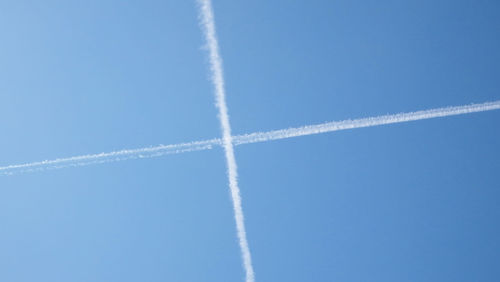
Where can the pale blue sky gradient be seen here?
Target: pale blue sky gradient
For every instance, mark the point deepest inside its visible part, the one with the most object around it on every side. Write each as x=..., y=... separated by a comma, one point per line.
x=414, y=201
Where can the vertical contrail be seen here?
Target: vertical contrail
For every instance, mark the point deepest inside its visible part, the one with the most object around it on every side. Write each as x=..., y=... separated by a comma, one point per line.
x=208, y=24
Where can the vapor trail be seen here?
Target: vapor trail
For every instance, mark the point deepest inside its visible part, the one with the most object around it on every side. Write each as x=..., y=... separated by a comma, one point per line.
x=364, y=122
x=160, y=150
x=208, y=26
x=83, y=160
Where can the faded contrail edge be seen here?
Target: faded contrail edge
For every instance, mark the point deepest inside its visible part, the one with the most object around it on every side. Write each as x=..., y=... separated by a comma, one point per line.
x=83, y=160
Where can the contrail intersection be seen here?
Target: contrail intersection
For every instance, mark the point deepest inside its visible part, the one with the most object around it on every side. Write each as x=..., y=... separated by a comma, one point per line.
x=256, y=137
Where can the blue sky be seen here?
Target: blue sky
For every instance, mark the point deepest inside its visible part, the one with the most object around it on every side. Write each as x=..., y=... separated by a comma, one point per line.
x=406, y=202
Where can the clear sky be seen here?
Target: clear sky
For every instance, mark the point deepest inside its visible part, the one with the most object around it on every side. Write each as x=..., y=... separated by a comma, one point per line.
x=415, y=201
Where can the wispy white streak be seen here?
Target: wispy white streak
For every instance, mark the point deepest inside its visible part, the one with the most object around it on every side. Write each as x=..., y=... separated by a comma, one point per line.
x=208, y=25
x=160, y=150
x=363, y=122
x=83, y=160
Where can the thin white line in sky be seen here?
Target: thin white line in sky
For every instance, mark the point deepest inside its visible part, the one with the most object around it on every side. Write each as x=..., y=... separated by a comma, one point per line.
x=160, y=150
x=208, y=26
x=364, y=122
x=83, y=160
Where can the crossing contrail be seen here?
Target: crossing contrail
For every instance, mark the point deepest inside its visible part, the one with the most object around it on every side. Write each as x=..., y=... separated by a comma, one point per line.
x=83, y=160
x=160, y=150
x=208, y=26
x=363, y=122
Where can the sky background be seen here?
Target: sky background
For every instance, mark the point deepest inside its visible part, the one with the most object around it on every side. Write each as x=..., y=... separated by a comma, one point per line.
x=416, y=201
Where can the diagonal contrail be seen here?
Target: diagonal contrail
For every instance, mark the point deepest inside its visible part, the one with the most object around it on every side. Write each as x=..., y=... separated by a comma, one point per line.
x=208, y=25
x=83, y=160
x=364, y=122
x=160, y=150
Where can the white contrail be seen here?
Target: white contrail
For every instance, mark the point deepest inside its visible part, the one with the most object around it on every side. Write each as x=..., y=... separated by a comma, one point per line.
x=208, y=26
x=364, y=122
x=160, y=150
x=83, y=160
